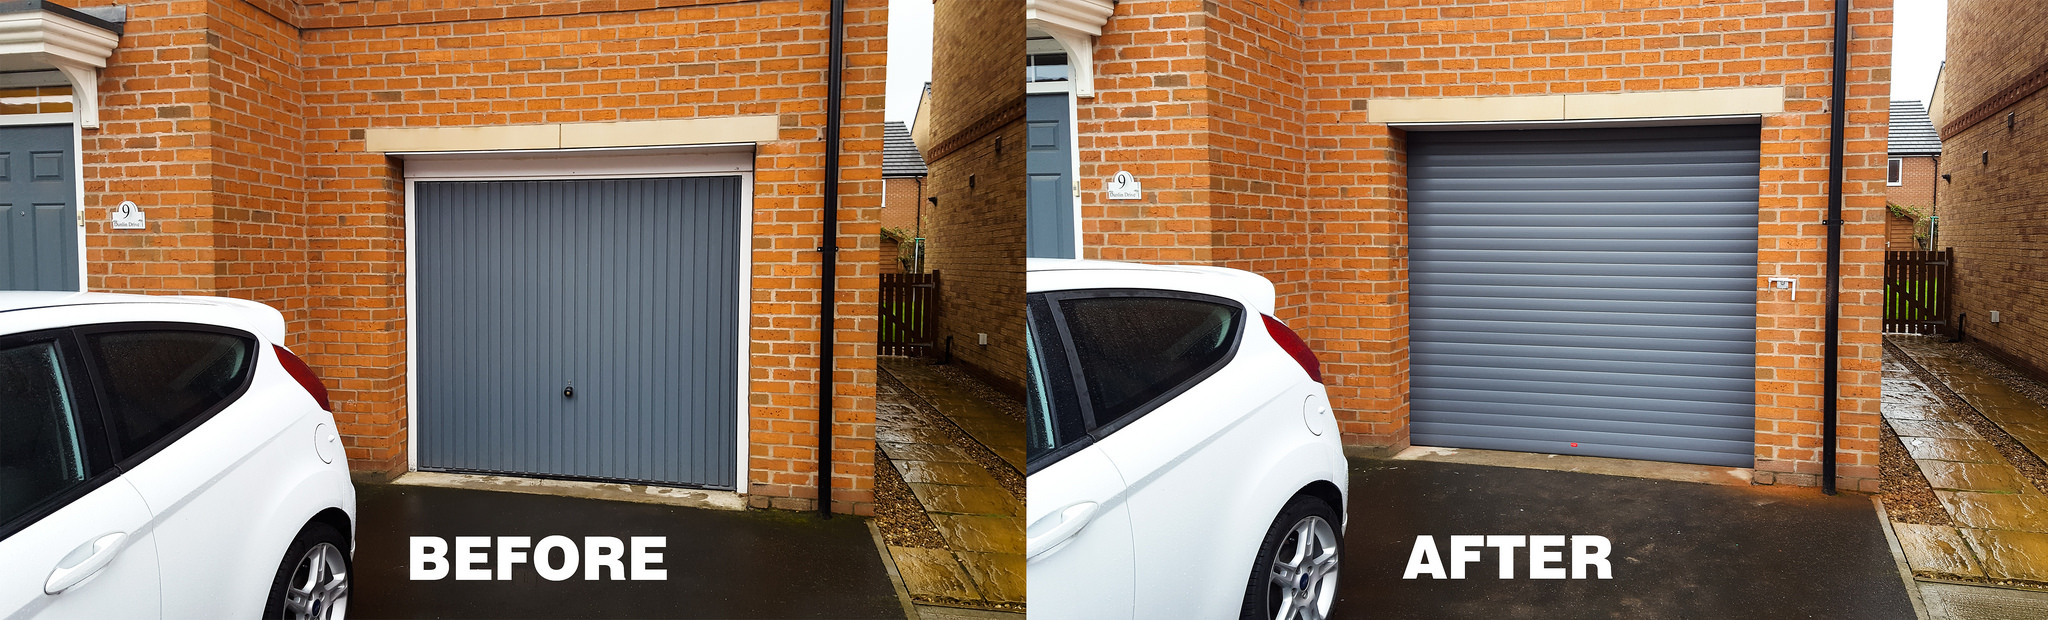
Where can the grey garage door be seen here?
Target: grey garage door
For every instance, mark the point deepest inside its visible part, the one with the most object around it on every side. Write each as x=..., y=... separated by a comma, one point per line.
x=579, y=328
x=38, y=218
x=1588, y=291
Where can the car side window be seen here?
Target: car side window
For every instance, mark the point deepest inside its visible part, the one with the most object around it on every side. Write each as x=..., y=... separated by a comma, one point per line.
x=1138, y=349
x=158, y=382
x=42, y=446
x=1054, y=419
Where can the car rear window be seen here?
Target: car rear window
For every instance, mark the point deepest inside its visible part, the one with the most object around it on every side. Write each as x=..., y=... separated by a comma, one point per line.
x=41, y=446
x=1135, y=349
x=157, y=381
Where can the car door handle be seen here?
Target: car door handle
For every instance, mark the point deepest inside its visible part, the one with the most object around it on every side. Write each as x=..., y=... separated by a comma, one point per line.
x=83, y=562
x=1071, y=520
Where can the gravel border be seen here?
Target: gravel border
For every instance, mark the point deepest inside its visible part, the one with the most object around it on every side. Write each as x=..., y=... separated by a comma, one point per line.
x=2031, y=467
x=1908, y=498
x=898, y=513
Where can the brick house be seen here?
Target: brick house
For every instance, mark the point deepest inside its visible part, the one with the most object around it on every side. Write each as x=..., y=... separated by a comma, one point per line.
x=1545, y=227
x=903, y=173
x=574, y=240
x=1912, y=151
x=1992, y=113
x=970, y=128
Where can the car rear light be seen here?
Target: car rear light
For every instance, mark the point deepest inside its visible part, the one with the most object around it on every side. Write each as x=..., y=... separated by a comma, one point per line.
x=1295, y=347
x=304, y=373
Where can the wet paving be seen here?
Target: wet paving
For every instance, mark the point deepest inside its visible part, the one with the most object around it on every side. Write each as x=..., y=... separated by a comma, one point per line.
x=719, y=563
x=981, y=522
x=1679, y=549
x=2001, y=520
x=999, y=433
x=2022, y=418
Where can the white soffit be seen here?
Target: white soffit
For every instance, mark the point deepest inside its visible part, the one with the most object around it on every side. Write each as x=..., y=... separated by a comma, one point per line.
x=1075, y=24
x=679, y=132
x=50, y=39
x=1579, y=107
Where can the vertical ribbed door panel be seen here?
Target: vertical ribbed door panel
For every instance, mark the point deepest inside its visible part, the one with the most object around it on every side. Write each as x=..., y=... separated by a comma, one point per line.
x=1588, y=286
x=579, y=328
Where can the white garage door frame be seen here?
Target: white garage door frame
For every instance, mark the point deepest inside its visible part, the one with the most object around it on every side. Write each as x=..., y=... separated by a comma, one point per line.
x=722, y=160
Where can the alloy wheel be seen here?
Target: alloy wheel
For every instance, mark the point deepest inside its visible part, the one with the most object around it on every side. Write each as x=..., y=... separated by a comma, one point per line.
x=1304, y=572
x=319, y=586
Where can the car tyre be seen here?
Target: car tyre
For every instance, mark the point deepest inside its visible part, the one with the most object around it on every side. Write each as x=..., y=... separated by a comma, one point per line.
x=1295, y=573
x=313, y=583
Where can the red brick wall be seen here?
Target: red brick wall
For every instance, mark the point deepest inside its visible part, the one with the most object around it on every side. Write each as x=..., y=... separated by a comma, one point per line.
x=975, y=235
x=244, y=124
x=1248, y=122
x=900, y=198
x=1916, y=184
x=1992, y=211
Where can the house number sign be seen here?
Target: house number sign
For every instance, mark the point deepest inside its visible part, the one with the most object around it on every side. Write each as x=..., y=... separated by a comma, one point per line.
x=128, y=216
x=1123, y=186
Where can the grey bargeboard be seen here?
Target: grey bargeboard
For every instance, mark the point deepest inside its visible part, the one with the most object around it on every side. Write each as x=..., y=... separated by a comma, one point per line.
x=1588, y=286
x=626, y=290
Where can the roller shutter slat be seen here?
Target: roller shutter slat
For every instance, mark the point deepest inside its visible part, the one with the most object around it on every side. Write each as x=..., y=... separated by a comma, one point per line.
x=1591, y=286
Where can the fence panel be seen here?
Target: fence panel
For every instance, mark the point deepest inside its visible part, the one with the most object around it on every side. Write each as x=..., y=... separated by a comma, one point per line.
x=909, y=313
x=1918, y=287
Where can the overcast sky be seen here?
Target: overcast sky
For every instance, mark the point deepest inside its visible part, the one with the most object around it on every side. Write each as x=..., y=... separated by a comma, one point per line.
x=910, y=56
x=1919, y=34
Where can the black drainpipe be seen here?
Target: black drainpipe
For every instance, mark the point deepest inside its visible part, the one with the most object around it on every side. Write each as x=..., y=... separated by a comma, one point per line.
x=1830, y=355
x=834, y=82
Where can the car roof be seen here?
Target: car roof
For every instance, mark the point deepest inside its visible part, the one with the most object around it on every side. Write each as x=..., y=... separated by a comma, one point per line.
x=27, y=300
x=1066, y=274
x=265, y=320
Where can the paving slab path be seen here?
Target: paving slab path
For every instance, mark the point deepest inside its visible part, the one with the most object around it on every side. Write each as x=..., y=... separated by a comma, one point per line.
x=981, y=522
x=2017, y=415
x=2001, y=529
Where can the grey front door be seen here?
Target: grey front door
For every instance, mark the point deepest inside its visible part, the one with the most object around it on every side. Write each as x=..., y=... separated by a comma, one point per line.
x=1585, y=291
x=1049, y=166
x=579, y=328
x=38, y=209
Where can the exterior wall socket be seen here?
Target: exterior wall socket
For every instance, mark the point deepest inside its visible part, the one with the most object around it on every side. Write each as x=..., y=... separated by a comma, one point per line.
x=1787, y=284
x=1994, y=316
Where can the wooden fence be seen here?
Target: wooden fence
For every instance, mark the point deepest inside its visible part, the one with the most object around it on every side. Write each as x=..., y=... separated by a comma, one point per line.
x=910, y=313
x=1917, y=288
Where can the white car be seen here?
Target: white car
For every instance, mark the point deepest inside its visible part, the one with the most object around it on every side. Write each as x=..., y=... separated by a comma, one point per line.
x=165, y=457
x=1183, y=461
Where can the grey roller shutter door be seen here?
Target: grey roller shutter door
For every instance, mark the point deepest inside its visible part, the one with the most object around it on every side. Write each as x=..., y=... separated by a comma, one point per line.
x=1588, y=286
x=626, y=290
x=38, y=209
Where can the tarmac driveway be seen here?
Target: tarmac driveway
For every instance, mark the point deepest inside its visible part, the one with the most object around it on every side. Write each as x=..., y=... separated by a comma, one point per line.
x=721, y=564
x=1680, y=549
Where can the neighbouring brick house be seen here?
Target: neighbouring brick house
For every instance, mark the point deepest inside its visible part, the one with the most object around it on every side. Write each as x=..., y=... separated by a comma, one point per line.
x=1993, y=116
x=563, y=239
x=972, y=142
x=903, y=173
x=1913, y=150
x=1544, y=227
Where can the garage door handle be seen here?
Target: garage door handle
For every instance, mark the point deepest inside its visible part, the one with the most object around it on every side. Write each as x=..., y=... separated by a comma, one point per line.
x=1070, y=521
x=83, y=562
